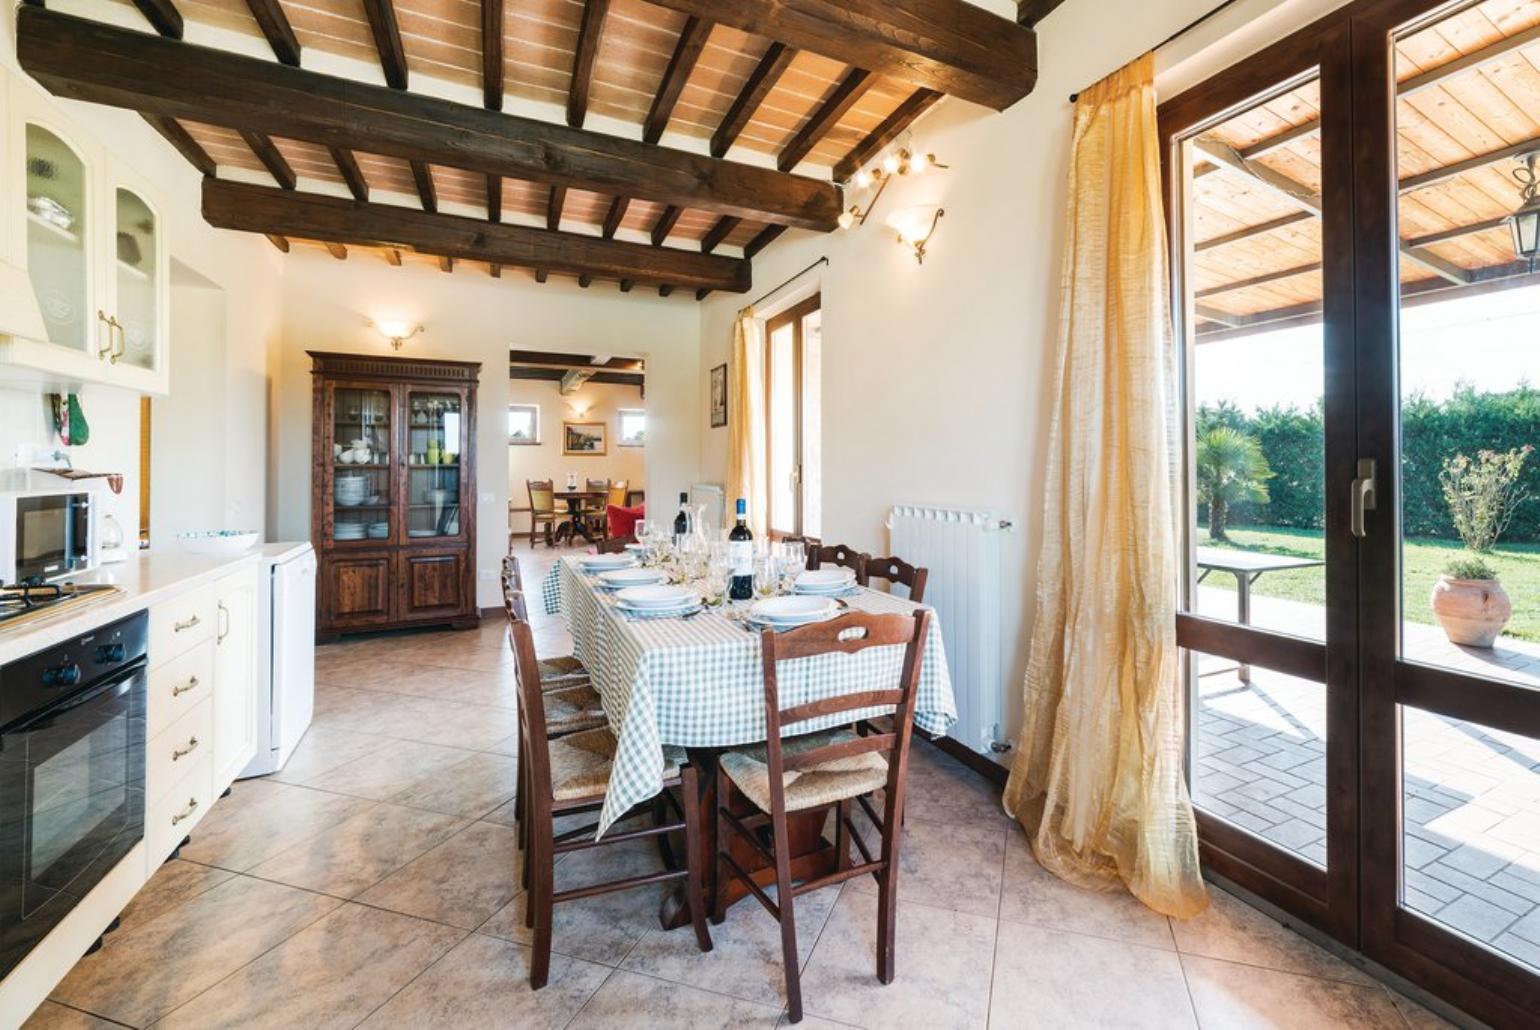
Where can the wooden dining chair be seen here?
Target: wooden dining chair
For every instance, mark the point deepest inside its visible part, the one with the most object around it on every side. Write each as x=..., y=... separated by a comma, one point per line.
x=819, y=555
x=618, y=493
x=615, y=544
x=542, y=509
x=828, y=769
x=592, y=508
x=569, y=775
x=560, y=672
x=896, y=570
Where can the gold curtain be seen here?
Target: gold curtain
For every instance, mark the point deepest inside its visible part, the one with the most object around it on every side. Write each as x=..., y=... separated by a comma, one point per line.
x=1097, y=778
x=746, y=421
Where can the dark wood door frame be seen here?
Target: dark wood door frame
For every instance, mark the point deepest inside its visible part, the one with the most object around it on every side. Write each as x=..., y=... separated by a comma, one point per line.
x=793, y=317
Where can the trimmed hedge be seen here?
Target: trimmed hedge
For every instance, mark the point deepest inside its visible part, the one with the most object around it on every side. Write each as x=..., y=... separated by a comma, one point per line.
x=1468, y=422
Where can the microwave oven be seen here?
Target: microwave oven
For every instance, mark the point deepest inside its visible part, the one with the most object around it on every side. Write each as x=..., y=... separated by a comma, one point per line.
x=46, y=535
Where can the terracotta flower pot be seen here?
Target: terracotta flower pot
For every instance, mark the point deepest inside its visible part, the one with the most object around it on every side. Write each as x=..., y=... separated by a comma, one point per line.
x=1471, y=611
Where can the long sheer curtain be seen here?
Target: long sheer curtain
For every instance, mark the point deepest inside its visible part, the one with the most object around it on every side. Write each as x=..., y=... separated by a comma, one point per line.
x=746, y=476
x=1097, y=780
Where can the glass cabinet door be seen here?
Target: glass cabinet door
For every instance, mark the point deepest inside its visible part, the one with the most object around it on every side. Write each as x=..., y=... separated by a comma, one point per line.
x=434, y=441
x=361, y=462
x=58, y=226
x=136, y=272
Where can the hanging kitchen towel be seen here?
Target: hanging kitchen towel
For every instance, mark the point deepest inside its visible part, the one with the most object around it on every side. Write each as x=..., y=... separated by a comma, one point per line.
x=69, y=419
x=80, y=431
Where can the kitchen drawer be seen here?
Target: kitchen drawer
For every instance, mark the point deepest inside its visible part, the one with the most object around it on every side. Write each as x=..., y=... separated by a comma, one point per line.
x=177, y=748
x=173, y=817
x=178, y=686
x=179, y=623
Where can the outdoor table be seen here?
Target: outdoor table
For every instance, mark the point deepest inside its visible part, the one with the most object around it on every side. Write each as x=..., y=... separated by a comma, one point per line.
x=698, y=683
x=1247, y=567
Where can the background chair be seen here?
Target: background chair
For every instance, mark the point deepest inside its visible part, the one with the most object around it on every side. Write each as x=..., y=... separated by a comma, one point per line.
x=896, y=570
x=542, y=509
x=622, y=521
x=819, y=555
x=592, y=508
x=615, y=544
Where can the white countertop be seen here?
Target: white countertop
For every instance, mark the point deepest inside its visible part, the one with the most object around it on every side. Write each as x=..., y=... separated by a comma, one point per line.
x=146, y=577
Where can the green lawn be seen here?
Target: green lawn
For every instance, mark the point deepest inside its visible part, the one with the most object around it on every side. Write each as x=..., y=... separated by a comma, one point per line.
x=1517, y=565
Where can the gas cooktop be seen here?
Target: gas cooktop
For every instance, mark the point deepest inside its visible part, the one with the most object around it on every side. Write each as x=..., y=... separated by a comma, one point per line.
x=27, y=601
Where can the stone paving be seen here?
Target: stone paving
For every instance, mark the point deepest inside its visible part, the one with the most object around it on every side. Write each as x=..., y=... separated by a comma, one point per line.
x=1472, y=794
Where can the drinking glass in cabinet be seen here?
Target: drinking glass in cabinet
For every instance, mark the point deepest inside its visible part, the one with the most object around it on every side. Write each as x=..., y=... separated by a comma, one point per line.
x=433, y=481
x=57, y=230
x=361, y=465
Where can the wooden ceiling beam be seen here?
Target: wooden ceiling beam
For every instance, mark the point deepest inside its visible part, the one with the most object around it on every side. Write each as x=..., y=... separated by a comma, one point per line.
x=553, y=206
x=554, y=375
x=271, y=158
x=92, y=61
x=762, y=239
x=423, y=178
x=1249, y=231
x=567, y=359
x=162, y=16
x=613, y=216
x=626, y=284
x=337, y=251
x=541, y=275
x=249, y=208
x=347, y=164
x=275, y=26
x=664, y=225
x=850, y=89
x=492, y=54
x=387, y=41
x=1459, y=231
x=393, y=257
x=494, y=198
x=589, y=33
x=692, y=40
x=665, y=290
x=278, y=241
x=1257, y=280
x=1030, y=12
x=717, y=233
x=185, y=145
x=951, y=46
x=889, y=130
x=585, y=280
x=446, y=263
x=761, y=81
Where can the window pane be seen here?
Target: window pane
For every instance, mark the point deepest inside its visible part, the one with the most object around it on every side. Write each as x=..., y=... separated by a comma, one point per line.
x=812, y=424
x=783, y=430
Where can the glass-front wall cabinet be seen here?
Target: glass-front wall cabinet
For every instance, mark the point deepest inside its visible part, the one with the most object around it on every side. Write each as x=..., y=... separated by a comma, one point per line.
x=59, y=228
x=435, y=437
x=137, y=243
x=361, y=464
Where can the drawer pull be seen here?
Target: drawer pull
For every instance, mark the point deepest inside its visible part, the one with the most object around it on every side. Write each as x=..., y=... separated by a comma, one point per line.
x=185, y=624
x=179, y=690
x=192, y=806
x=179, y=753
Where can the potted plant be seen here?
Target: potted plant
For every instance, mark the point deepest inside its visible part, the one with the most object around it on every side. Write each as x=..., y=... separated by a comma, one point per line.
x=1468, y=600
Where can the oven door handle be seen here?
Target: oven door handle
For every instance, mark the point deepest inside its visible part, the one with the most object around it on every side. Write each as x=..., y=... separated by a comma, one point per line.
x=118, y=680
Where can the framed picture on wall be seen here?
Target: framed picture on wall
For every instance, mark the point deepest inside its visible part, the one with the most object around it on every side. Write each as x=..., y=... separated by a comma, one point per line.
x=583, y=439
x=719, y=396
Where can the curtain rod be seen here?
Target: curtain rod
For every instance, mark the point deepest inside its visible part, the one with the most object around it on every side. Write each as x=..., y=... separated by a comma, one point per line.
x=1178, y=34
x=788, y=282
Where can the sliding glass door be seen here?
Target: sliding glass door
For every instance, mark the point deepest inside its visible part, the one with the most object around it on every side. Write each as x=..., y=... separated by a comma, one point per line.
x=793, y=357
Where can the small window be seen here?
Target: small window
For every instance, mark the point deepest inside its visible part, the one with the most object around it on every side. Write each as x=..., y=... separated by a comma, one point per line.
x=523, y=423
x=633, y=427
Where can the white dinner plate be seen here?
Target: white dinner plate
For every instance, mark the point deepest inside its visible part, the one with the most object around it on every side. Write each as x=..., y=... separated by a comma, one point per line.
x=793, y=610
x=617, y=579
x=660, y=613
x=636, y=548
x=825, y=581
x=603, y=562
x=657, y=597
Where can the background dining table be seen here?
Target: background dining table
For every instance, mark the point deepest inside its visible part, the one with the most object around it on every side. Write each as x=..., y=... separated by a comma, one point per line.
x=576, y=524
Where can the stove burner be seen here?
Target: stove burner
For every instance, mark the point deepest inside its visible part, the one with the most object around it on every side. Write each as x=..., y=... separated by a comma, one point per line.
x=22, y=600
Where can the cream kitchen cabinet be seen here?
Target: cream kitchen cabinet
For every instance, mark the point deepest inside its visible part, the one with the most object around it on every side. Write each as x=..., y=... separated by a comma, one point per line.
x=235, y=674
x=87, y=266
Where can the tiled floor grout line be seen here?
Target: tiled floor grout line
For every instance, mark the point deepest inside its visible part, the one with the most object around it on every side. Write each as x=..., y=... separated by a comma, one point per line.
x=413, y=979
x=994, y=950
x=1192, y=1001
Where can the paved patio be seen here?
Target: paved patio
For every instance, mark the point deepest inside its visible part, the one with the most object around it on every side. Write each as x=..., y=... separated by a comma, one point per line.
x=1472, y=794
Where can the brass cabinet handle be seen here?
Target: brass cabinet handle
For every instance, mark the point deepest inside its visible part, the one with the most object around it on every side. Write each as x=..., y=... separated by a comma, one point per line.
x=192, y=806
x=179, y=690
x=223, y=619
x=179, y=753
x=105, y=352
x=185, y=624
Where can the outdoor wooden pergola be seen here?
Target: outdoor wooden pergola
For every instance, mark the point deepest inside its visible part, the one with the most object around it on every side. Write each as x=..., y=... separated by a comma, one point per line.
x=1467, y=108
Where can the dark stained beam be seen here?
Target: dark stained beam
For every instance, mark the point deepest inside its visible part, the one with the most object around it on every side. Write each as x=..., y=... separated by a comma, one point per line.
x=951, y=46
x=664, y=225
x=387, y=41
x=553, y=205
x=1458, y=231
x=92, y=61
x=494, y=198
x=762, y=239
x=665, y=290
x=163, y=15
x=1257, y=280
x=337, y=251
x=758, y=85
x=425, y=191
x=589, y=32
x=393, y=256
x=495, y=270
x=492, y=54
x=1030, y=12
x=613, y=216
x=554, y=375
x=692, y=40
x=248, y=208
x=179, y=138
x=626, y=284
x=891, y=128
x=1253, y=230
x=446, y=263
x=585, y=280
x=1433, y=176
x=270, y=157
x=702, y=294
x=567, y=359
x=717, y=233
x=278, y=241
x=275, y=26
x=850, y=89
x=541, y=275
x=347, y=164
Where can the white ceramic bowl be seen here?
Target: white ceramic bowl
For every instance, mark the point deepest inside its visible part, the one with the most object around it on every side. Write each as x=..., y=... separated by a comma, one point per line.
x=794, y=610
x=658, y=597
x=621, y=578
x=223, y=542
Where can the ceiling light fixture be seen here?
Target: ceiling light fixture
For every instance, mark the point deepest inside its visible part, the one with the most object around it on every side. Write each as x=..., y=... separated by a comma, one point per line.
x=900, y=161
x=396, y=331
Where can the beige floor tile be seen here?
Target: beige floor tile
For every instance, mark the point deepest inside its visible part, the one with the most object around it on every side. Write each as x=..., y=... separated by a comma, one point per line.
x=261, y=818
x=1054, y=979
x=1239, y=997
x=943, y=961
x=456, y=724
x=330, y=975
x=509, y=745
x=745, y=960
x=174, y=883
x=356, y=854
x=460, y=882
x=1034, y=895
x=631, y=1002
x=484, y=982
x=435, y=682
x=473, y=787
x=53, y=1016
x=947, y=865
x=942, y=789
x=401, y=765
x=1234, y=931
x=324, y=748
x=1417, y=1016
x=144, y=972
x=811, y=1023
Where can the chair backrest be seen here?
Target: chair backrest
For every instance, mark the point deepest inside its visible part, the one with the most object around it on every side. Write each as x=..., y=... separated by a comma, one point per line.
x=615, y=544
x=532, y=742
x=513, y=590
x=617, y=493
x=599, y=485
x=819, y=555
x=542, y=496
x=850, y=634
x=896, y=570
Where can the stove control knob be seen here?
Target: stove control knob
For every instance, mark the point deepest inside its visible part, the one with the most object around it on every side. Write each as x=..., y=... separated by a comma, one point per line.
x=61, y=676
x=108, y=653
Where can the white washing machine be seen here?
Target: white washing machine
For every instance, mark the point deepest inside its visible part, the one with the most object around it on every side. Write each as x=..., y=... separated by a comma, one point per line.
x=285, y=653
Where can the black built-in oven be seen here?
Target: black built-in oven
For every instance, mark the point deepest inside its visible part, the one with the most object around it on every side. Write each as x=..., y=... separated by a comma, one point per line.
x=72, y=738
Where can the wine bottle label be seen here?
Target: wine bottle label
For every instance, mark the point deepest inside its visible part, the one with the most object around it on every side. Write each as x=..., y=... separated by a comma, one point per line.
x=742, y=554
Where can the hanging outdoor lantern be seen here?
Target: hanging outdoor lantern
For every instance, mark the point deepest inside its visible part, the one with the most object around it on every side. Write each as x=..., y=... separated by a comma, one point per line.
x=1525, y=222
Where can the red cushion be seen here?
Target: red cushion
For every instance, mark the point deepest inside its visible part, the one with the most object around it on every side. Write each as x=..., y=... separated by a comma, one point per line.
x=623, y=521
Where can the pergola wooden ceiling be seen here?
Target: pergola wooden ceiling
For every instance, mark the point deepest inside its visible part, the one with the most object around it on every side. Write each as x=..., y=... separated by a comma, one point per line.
x=1468, y=104
x=764, y=107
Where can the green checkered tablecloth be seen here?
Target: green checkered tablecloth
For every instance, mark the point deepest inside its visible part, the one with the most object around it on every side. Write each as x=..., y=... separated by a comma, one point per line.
x=697, y=682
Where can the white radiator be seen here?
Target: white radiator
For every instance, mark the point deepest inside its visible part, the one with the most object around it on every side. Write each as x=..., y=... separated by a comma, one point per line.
x=961, y=550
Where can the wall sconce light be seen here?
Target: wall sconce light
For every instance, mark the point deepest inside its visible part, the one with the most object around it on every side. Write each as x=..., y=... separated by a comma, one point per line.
x=902, y=161
x=1525, y=222
x=396, y=331
x=915, y=226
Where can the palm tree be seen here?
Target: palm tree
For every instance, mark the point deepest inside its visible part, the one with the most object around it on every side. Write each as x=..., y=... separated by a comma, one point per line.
x=1231, y=469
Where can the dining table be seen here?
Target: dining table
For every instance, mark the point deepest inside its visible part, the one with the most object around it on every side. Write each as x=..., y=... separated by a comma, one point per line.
x=577, y=523
x=696, y=681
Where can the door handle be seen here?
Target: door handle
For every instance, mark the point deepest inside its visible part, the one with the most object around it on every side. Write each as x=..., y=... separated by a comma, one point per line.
x=101, y=317
x=1364, y=497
